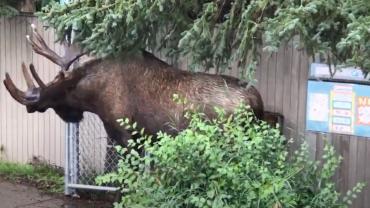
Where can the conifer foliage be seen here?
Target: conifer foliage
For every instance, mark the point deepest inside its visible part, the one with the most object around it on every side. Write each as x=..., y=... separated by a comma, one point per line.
x=7, y=8
x=216, y=33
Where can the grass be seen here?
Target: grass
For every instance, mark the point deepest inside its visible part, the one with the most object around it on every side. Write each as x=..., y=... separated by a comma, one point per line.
x=42, y=176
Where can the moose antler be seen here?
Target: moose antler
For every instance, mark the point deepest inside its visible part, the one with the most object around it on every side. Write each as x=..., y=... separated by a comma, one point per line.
x=36, y=76
x=31, y=95
x=39, y=46
x=34, y=94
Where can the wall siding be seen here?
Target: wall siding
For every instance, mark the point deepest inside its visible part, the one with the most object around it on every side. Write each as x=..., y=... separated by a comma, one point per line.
x=22, y=135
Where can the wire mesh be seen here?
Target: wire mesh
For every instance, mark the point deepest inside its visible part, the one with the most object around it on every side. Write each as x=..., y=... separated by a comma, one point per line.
x=95, y=153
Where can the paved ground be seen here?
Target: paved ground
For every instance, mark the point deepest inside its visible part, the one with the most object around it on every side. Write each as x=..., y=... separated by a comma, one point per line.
x=22, y=196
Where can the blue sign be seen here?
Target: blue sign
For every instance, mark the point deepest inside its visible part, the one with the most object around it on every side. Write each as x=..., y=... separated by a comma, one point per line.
x=334, y=107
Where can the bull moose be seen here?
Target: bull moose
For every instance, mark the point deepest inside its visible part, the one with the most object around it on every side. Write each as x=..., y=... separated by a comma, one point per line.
x=139, y=87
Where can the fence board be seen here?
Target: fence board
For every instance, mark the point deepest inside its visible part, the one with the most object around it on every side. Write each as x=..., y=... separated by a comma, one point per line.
x=287, y=86
x=302, y=91
x=279, y=83
x=337, y=147
x=343, y=149
x=361, y=170
x=293, y=116
x=367, y=175
x=271, y=80
x=2, y=21
x=263, y=76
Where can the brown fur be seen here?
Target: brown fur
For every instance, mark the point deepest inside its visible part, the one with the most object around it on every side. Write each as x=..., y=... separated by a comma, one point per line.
x=141, y=88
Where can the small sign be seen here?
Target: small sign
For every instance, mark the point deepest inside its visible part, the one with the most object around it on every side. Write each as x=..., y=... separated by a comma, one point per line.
x=334, y=107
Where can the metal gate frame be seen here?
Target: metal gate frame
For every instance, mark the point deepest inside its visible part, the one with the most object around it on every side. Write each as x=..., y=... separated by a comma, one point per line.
x=72, y=163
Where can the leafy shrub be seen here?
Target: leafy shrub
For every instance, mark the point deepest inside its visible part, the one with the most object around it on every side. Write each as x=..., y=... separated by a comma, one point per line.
x=230, y=161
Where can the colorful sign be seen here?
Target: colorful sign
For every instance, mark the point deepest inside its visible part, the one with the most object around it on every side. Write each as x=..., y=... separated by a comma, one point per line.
x=342, y=108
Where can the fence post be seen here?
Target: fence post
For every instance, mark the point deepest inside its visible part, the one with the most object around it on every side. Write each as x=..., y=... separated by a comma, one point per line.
x=71, y=157
x=67, y=190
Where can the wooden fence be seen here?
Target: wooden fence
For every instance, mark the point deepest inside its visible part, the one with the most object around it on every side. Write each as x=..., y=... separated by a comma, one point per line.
x=282, y=81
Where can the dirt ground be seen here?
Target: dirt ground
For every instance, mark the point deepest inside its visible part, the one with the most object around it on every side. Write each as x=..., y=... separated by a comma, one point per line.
x=23, y=196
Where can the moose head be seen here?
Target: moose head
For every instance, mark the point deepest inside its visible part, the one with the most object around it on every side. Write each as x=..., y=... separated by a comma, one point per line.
x=52, y=95
x=139, y=87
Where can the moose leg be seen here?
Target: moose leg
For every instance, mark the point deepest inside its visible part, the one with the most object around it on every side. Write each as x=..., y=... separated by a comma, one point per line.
x=115, y=137
x=273, y=119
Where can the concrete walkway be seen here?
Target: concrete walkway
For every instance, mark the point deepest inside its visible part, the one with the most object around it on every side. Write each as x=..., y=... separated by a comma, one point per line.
x=21, y=196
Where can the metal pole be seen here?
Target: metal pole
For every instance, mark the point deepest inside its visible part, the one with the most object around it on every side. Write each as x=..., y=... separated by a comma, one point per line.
x=71, y=158
x=67, y=190
x=96, y=188
x=71, y=155
x=74, y=153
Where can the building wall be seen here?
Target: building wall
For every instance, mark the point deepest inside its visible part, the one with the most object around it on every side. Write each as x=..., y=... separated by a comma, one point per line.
x=23, y=135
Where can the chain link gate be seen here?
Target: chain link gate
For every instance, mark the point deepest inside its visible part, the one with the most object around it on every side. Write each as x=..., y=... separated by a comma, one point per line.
x=89, y=153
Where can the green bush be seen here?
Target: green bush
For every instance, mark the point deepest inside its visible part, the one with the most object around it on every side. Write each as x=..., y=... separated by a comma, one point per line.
x=230, y=161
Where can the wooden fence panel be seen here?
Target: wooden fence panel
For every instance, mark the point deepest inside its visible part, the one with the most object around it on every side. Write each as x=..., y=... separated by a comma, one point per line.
x=284, y=90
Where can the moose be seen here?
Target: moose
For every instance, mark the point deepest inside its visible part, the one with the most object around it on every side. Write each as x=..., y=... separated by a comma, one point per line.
x=139, y=87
